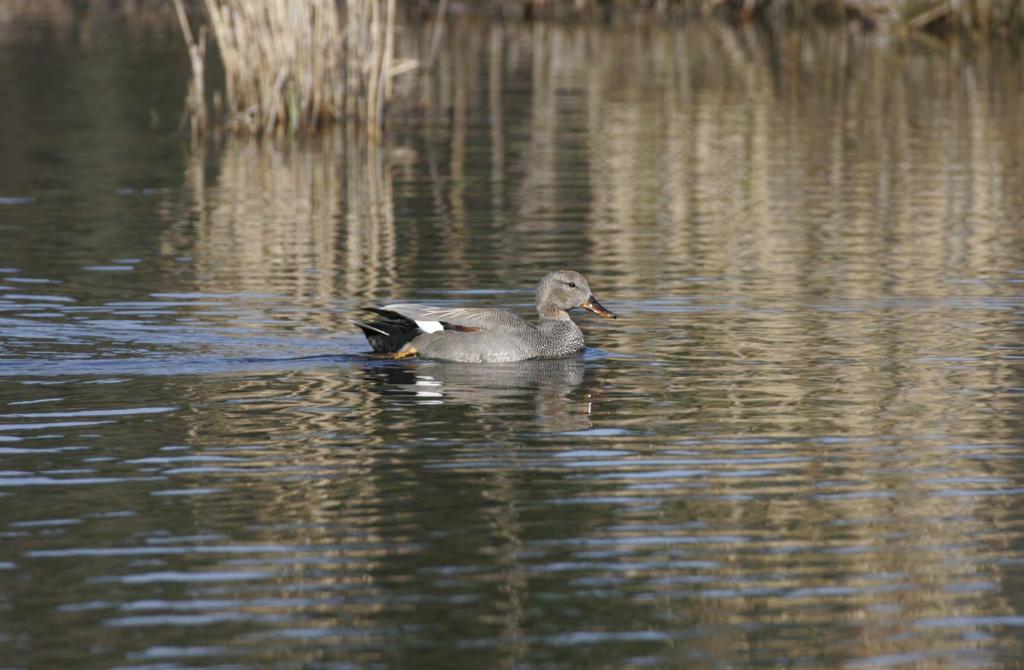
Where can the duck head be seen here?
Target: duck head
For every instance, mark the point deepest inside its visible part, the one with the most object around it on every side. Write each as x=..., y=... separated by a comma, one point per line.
x=562, y=290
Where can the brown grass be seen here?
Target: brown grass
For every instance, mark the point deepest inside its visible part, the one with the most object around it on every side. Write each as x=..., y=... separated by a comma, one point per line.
x=297, y=65
x=300, y=65
x=977, y=17
x=195, y=102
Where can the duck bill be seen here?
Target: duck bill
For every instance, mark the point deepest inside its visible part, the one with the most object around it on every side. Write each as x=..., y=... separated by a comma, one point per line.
x=592, y=305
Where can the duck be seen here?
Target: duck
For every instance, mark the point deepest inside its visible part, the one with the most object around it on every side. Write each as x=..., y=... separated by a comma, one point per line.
x=486, y=335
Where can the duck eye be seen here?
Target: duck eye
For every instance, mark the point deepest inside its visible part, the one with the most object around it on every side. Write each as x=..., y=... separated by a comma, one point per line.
x=571, y=285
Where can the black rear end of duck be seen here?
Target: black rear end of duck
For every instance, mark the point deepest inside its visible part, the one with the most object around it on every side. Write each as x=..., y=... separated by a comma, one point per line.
x=389, y=331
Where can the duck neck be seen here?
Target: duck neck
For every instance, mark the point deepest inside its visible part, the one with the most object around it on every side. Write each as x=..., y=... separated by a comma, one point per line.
x=552, y=313
x=559, y=337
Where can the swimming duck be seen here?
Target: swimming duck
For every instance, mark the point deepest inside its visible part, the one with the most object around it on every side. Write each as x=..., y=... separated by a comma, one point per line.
x=479, y=335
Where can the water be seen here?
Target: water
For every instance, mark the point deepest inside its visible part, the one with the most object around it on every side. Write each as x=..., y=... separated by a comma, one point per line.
x=801, y=445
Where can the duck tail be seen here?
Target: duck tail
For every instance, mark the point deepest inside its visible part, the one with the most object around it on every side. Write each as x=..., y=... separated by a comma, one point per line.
x=388, y=332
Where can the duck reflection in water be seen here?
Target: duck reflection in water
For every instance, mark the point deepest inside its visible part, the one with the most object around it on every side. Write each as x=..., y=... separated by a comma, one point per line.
x=502, y=390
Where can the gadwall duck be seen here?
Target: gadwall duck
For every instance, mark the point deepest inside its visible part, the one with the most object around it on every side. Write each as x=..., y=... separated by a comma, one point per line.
x=475, y=335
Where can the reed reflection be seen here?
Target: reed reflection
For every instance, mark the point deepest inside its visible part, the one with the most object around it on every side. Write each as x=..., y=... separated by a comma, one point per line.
x=314, y=221
x=818, y=258
x=551, y=385
x=819, y=188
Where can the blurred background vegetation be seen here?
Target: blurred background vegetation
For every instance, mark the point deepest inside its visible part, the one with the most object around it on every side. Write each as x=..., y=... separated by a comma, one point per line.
x=282, y=66
x=981, y=16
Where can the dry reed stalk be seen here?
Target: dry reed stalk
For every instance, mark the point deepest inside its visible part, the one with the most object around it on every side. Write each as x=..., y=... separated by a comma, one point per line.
x=438, y=32
x=370, y=62
x=978, y=17
x=195, y=103
x=294, y=65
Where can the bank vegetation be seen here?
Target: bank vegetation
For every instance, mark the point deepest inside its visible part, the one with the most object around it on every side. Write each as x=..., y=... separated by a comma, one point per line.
x=979, y=17
x=301, y=65
x=293, y=65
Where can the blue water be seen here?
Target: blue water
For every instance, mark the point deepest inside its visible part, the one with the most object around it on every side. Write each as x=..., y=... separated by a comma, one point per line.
x=800, y=445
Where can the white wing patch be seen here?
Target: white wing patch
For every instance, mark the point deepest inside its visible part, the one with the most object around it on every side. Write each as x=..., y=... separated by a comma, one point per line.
x=430, y=326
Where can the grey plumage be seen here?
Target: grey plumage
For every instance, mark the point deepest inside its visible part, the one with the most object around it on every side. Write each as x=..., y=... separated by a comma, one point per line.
x=476, y=335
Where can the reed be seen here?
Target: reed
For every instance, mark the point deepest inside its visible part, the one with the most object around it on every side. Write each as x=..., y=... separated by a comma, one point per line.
x=978, y=17
x=982, y=18
x=195, y=102
x=985, y=17
x=296, y=65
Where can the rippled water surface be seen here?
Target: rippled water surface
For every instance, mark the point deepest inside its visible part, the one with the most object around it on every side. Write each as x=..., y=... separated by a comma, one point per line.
x=800, y=446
